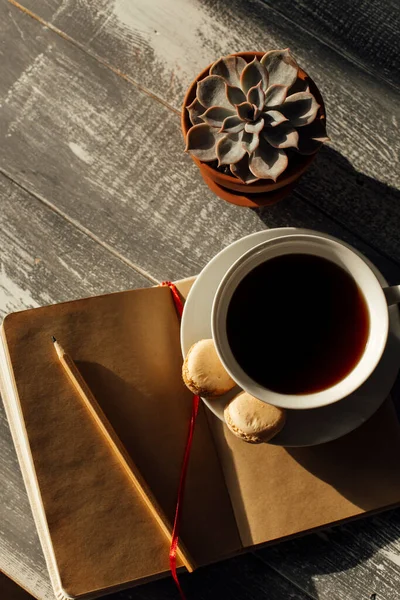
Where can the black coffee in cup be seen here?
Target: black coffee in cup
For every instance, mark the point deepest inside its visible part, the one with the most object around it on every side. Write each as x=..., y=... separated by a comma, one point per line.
x=297, y=324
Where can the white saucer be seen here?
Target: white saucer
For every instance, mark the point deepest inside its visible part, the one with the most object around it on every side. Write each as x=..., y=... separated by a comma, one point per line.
x=303, y=427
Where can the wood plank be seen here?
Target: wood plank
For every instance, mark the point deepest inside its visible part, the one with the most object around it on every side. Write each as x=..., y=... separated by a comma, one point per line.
x=366, y=32
x=44, y=259
x=367, y=205
x=355, y=180
x=352, y=561
x=77, y=135
x=163, y=48
x=244, y=578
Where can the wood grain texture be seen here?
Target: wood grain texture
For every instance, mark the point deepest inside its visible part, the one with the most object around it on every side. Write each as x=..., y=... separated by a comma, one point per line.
x=240, y=578
x=355, y=180
x=165, y=47
x=76, y=135
x=367, y=32
x=352, y=561
x=44, y=259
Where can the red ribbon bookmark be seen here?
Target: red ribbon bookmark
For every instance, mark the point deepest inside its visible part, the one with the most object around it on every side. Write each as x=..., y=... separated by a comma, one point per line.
x=181, y=488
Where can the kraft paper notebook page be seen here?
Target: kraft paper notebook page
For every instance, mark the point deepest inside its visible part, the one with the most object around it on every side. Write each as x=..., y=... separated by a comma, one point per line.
x=96, y=533
x=239, y=495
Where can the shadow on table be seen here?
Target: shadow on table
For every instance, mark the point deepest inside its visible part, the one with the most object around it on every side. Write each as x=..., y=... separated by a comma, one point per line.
x=365, y=206
x=336, y=561
x=269, y=573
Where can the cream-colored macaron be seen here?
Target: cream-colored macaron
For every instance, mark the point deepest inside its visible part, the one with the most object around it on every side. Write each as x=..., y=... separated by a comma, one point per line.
x=203, y=372
x=252, y=420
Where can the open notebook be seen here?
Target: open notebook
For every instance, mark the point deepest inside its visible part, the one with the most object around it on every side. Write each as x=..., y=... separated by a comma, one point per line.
x=96, y=532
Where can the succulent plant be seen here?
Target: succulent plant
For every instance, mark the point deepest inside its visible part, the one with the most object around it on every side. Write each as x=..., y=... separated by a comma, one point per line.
x=249, y=115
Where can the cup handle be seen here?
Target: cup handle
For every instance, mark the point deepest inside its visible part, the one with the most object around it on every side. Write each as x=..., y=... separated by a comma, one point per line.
x=392, y=294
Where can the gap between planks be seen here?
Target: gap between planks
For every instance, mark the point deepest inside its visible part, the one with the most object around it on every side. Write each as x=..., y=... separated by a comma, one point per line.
x=83, y=230
x=154, y=96
x=103, y=62
x=349, y=58
x=132, y=81
x=157, y=98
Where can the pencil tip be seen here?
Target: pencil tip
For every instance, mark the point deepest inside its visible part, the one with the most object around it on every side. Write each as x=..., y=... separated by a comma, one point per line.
x=53, y=338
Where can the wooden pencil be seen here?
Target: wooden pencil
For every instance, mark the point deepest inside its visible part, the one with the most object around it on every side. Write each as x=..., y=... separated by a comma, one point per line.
x=118, y=448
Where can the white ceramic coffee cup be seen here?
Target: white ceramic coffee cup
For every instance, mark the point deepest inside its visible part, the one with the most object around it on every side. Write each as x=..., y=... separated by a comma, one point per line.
x=363, y=276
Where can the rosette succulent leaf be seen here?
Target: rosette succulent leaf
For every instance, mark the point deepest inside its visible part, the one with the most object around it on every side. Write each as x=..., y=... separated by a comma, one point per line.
x=248, y=115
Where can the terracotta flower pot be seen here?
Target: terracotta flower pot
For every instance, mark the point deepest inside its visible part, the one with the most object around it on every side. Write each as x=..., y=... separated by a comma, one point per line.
x=262, y=192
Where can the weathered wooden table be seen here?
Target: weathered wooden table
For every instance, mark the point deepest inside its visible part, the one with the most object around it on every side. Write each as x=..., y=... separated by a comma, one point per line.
x=96, y=195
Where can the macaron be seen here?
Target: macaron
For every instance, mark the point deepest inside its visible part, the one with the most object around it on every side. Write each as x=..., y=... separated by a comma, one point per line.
x=203, y=372
x=252, y=420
